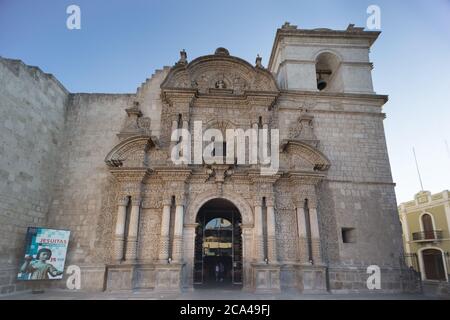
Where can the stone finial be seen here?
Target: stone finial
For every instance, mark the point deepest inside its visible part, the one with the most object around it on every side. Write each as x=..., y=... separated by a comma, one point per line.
x=258, y=61
x=183, y=58
x=132, y=126
x=221, y=51
x=351, y=28
x=134, y=110
x=287, y=25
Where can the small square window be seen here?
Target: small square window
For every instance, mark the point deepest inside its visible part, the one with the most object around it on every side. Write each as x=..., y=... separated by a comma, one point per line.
x=348, y=235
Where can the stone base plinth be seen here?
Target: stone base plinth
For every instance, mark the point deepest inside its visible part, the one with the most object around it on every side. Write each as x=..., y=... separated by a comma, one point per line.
x=168, y=277
x=266, y=278
x=119, y=277
x=312, y=278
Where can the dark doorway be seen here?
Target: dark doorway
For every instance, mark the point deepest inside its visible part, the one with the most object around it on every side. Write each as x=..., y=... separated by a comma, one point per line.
x=434, y=264
x=218, y=246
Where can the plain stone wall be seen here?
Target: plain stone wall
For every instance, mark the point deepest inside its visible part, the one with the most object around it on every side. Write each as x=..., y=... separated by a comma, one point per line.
x=358, y=191
x=149, y=97
x=361, y=187
x=93, y=120
x=32, y=111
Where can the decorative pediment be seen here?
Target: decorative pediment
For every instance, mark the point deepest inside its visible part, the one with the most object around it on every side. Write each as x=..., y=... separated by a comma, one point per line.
x=302, y=156
x=219, y=73
x=131, y=152
x=135, y=124
x=303, y=130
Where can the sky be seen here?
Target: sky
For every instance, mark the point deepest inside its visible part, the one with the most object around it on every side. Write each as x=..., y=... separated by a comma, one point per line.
x=121, y=43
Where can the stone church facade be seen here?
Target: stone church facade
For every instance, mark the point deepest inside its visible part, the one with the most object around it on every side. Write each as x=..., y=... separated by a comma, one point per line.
x=100, y=165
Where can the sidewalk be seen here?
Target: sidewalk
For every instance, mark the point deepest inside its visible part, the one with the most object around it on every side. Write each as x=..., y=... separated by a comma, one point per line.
x=205, y=294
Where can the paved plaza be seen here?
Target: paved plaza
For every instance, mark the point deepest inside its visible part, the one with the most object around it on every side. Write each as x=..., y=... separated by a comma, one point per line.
x=206, y=294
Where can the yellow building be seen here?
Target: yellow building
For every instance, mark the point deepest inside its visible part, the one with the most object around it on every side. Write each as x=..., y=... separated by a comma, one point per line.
x=426, y=238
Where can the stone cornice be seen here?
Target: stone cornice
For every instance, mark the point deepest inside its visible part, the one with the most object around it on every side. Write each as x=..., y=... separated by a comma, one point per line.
x=256, y=177
x=385, y=183
x=178, y=95
x=131, y=174
x=303, y=177
x=173, y=174
x=380, y=99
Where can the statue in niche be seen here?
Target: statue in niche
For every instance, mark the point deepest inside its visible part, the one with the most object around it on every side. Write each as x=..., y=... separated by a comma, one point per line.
x=220, y=84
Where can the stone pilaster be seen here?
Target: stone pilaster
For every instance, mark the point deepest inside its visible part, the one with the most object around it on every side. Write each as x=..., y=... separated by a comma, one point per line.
x=315, y=236
x=302, y=234
x=259, y=239
x=247, y=248
x=131, y=250
x=177, y=248
x=271, y=239
x=165, y=231
x=119, y=236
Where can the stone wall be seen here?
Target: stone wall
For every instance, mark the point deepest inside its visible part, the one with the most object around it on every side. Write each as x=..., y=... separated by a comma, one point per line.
x=83, y=195
x=32, y=112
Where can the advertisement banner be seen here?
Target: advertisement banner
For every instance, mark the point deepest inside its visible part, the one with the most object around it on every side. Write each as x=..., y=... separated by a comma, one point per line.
x=45, y=254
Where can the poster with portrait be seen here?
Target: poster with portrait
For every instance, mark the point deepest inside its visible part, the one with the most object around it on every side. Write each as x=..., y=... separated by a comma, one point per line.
x=45, y=254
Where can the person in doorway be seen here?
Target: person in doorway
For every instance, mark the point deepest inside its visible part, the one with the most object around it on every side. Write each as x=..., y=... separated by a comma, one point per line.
x=217, y=271
x=221, y=271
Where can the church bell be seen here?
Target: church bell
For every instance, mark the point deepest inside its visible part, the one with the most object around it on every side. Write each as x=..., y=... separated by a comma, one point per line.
x=321, y=84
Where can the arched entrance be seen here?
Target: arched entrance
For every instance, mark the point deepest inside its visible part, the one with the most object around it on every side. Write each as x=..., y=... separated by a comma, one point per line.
x=434, y=264
x=218, y=245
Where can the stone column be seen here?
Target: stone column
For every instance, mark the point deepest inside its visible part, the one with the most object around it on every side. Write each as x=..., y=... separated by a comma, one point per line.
x=188, y=151
x=188, y=255
x=173, y=144
x=247, y=248
x=315, y=236
x=165, y=231
x=259, y=239
x=252, y=152
x=271, y=239
x=133, y=227
x=186, y=125
x=119, y=236
x=302, y=234
x=178, y=232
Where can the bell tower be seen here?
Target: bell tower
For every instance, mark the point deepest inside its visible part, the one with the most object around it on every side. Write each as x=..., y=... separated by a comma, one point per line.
x=323, y=60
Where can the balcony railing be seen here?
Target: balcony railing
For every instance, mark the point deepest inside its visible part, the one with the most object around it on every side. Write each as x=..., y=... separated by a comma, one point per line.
x=431, y=235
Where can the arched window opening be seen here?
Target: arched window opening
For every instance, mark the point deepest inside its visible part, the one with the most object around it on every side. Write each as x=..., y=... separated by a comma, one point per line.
x=427, y=224
x=327, y=65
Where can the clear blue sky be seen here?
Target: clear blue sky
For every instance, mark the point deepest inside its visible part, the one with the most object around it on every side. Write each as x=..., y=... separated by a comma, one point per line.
x=121, y=43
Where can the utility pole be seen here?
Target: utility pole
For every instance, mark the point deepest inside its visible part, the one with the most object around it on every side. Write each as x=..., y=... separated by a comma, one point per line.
x=417, y=166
